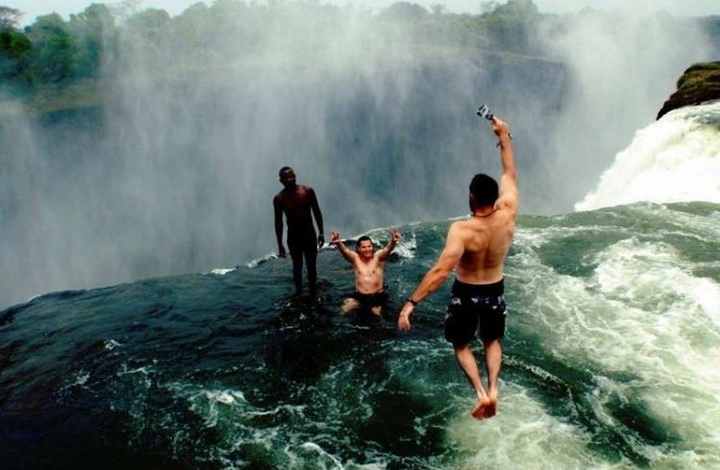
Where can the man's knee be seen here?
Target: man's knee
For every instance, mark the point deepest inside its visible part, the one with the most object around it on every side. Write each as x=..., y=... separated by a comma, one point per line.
x=349, y=305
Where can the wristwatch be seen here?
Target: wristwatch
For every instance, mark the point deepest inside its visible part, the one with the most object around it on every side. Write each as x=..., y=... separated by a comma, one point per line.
x=413, y=302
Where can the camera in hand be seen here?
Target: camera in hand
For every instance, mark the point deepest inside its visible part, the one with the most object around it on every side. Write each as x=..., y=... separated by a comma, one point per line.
x=484, y=111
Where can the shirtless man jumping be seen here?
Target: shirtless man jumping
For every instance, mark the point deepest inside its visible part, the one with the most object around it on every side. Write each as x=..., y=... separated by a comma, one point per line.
x=368, y=266
x=476, y=248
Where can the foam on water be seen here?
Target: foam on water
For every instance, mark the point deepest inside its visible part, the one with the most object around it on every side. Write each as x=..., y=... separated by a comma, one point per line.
x=222, y=271
x=263, y=259
x=675, y=352
x=526, y=433
x=526, y=436
x=649, y=324
x=407, y=247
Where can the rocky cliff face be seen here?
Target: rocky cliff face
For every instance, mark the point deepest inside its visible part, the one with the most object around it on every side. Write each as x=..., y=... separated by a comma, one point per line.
x=699, y=83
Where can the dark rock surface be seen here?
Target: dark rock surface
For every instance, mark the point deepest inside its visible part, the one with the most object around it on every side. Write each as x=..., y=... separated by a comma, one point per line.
x=699, y=83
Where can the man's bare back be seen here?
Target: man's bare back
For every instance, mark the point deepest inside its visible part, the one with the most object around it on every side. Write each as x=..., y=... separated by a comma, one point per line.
x=486, y=242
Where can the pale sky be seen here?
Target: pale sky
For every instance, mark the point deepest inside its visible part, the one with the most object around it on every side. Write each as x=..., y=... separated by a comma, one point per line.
x=34, y=8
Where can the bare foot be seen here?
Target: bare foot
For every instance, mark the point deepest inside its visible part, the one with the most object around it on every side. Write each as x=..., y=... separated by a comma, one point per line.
x=480, y=409
x=491, y=408
x=485, y=408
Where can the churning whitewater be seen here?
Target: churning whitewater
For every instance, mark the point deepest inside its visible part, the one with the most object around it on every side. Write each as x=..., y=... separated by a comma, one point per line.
x=674, y=159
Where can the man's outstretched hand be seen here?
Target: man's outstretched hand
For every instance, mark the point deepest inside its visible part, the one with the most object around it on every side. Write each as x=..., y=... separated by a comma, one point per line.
x=404, y=318
x=395, y=235
x=500, y=127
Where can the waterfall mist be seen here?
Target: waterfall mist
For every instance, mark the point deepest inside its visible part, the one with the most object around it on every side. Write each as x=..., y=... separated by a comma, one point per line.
x=177, y=172
x=623, y=65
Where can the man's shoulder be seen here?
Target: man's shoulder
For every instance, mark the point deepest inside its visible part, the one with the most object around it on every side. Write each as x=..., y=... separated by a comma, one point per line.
x=508, y=201
x=461, y=224
x=459, y=228
x=508, y=206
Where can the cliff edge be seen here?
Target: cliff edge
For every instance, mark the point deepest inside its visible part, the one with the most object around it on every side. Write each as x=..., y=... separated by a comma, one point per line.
x=699, y=83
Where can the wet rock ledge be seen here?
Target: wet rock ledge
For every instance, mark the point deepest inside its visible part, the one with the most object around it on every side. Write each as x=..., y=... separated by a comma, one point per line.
x=699, y=83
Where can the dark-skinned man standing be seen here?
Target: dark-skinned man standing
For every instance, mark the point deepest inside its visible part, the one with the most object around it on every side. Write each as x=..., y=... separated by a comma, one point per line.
x=299, y=205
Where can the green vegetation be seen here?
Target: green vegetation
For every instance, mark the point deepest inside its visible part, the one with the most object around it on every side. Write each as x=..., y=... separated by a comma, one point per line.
x=699, y=75
x=52, y=51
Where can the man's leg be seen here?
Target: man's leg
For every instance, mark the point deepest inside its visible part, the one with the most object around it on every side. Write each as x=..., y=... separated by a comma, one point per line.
x=297, y=260
x=349, y=305
x=468, y=364
x=493, y=361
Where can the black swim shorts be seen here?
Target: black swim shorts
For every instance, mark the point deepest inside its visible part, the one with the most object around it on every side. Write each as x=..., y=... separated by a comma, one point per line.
x=473, y=305
x=377, y=299
x=302, y=243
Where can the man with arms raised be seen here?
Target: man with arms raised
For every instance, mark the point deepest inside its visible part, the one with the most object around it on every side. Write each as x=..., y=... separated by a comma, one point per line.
x=476, y=248
x=368, y=266
x=299, y=204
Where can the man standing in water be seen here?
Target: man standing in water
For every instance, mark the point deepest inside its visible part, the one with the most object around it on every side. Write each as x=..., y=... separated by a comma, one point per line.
x=370, y=293
x=299, y=204
x=477, y=248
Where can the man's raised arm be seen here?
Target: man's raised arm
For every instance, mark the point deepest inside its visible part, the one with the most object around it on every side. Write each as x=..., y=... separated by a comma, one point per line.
x=344, y=250
x=508, y=196
x=394, y=239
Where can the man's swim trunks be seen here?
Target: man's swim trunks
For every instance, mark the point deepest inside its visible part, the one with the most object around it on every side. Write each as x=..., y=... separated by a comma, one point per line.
x=368, y=301
x=302, y=243
x=472, y=305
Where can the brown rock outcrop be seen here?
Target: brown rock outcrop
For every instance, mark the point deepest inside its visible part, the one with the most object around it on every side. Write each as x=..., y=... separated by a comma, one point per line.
x=699, y=83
